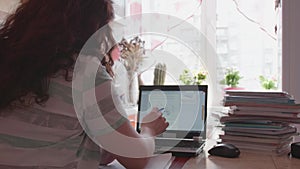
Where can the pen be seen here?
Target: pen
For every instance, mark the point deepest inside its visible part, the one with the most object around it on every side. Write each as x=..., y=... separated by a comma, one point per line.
x=161, y=109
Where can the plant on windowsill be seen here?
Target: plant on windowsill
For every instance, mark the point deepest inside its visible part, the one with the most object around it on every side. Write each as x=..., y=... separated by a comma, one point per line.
x=268, y=83
x=195, y=78
x=231, y=79
x=132, y=54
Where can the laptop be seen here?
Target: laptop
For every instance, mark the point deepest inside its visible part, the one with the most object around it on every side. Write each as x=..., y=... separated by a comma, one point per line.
x=185, y=108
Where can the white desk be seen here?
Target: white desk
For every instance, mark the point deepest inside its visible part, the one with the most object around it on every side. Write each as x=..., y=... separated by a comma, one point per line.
x=245, y=160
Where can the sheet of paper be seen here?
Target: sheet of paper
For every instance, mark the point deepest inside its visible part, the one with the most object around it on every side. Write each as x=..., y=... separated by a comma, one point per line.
x=161, y=161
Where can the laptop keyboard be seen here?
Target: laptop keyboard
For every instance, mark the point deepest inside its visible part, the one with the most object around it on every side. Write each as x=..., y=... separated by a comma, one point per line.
x=178, y=143
x=192, y=144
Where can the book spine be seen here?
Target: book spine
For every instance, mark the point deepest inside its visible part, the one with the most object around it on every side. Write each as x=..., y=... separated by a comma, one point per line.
x=255, y=140
x=253, y=104
x=266, y=114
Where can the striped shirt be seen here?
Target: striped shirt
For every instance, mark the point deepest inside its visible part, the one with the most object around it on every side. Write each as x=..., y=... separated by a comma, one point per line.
x=50, y=136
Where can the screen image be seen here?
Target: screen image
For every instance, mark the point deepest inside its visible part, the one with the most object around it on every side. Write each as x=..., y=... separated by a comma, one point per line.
x=184, y=110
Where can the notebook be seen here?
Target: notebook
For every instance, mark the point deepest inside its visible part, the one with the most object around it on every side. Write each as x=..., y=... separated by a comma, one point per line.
x=185, y=108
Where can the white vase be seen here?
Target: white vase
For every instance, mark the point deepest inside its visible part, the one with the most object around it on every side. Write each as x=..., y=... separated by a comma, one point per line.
x=133, y=88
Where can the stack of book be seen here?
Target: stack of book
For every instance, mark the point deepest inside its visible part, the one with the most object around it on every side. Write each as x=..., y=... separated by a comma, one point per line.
x=260, y=121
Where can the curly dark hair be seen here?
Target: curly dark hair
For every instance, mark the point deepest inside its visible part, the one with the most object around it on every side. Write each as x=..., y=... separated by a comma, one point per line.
x=42, y=38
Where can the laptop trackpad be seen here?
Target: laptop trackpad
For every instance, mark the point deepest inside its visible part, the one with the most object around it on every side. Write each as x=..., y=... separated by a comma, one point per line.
x=169, y=135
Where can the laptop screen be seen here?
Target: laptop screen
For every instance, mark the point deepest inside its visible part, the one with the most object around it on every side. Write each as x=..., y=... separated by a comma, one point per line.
x=184, y=107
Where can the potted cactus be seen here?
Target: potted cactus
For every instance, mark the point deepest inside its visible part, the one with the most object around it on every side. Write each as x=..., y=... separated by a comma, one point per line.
x=159, y=74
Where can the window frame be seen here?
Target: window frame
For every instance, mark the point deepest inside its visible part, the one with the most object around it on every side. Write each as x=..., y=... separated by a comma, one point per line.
x=290, y=49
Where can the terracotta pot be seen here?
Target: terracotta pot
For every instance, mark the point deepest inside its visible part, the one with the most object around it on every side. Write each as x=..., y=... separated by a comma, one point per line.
x=234, y=88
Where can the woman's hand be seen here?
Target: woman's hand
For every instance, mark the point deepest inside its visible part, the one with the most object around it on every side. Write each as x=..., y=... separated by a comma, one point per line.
x=153, y=123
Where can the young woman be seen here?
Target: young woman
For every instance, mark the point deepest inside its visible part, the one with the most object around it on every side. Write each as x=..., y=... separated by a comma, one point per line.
x=39, y=128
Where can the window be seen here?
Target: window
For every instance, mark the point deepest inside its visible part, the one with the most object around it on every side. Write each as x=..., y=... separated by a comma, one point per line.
x=241, y=33
x=246, y=40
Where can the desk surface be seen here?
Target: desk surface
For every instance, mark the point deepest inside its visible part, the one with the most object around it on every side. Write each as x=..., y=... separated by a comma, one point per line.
x=245, y=160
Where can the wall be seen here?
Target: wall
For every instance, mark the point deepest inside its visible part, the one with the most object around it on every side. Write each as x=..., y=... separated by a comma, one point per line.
x=208, y=28
x=290, y=47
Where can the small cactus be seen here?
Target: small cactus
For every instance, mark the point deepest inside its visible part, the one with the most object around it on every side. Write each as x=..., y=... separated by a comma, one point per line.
x=159, y=74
